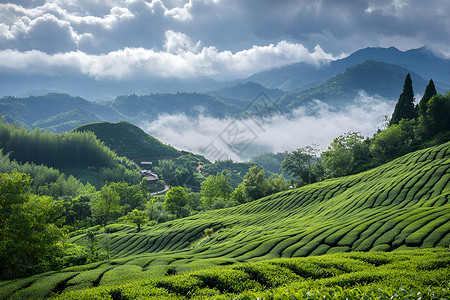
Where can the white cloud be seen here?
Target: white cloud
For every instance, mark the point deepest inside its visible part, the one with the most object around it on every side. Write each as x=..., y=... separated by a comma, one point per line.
x=318, y=124
x=182, y=59
x=177, y=43
x=345, y=26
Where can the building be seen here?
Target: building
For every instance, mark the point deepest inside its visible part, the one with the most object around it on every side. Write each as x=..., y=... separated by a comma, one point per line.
x=153, y=182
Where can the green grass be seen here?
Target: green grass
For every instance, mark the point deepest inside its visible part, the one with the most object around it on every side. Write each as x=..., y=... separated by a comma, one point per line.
x=401, y=205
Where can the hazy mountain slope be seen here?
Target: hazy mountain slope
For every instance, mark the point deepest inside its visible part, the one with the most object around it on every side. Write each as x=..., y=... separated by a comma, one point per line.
x=131, y=141
x=246, y=91
x=61, y=112
x=373, y=77
x=421, y=61
x=299, y=76
x=66, y=121
x=24, y=85
x=51, y=108
x=149, y=107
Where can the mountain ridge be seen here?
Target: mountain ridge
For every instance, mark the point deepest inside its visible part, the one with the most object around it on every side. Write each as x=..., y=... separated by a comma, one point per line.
x=296, y=77
x=373, y=77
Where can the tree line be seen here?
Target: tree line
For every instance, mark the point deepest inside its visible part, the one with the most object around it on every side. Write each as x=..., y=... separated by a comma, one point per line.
x=69, y=149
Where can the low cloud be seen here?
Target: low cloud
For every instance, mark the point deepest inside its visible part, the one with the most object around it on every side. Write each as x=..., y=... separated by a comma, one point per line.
x=182, y=58
x=318, y=124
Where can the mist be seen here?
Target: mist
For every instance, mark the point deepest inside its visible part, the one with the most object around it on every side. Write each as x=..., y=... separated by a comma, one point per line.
x=240, y=139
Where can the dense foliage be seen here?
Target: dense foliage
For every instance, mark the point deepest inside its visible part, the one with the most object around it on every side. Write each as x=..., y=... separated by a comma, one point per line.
x=71, y=151
x=29, y=224
x=270, y=161
x=56, y=150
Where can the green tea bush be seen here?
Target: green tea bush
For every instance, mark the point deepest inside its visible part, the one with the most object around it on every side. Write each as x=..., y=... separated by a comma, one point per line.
x=226, y=280
x=268, y=275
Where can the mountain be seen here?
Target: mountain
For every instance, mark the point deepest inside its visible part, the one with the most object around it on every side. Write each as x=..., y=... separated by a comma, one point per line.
x=20, y=85
x=337, y=84
x=402, y=205
x=246, y=91
x=66, y=121
x=294, y=77
x=53, y=110
x=373, y=77
x=131, y=141
x=149, y=107
x=299, y=76
x=61, y=112
x=421, y=61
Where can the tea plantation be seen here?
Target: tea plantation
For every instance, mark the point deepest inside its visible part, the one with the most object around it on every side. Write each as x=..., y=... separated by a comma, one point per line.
x=361, y=225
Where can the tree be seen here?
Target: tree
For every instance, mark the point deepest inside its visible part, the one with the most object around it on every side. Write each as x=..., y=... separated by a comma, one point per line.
x=395, y=141
x=299, y=165
x=430, y=91
x=404, y=109
x=254, y=183
x=438, y=112
x=174, y=173
x=30, y=225
x=348, y=154
x=131, y=196
x=175, y=200
x=275, y=184
x=137, y=217
x=106, y=204
x=239, y=195
x=154, y=209
x=78, y=210
x=215, y=187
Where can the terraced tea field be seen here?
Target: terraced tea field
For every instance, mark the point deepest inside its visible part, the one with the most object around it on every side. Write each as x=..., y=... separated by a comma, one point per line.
x=403, y=205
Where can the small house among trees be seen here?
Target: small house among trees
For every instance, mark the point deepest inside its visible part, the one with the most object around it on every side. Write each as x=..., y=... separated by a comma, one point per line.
x=153, y=182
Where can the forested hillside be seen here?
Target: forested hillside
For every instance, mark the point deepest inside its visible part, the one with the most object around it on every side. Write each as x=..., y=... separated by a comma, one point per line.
x=77, y=153
x=129, y=140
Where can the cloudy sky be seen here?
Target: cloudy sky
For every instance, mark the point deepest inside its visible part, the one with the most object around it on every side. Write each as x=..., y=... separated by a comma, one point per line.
x=221, y=39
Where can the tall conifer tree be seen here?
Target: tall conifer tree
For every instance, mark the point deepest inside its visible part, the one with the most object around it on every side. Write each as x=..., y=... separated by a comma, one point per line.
x=430, y=91
x=404, y=109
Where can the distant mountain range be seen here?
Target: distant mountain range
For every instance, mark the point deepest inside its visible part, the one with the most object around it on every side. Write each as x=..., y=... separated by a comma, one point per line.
x=373, y=77
x=297, y=77
x=336, y=84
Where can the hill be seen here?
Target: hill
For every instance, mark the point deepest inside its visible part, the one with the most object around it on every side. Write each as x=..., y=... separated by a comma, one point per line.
x=373, y=77
x=149, y=107
x=55, y=112
x=61, y=112
x=67, y=121
x=299, y=76
x=402, y=205
x=131, y=141
x=246, y=91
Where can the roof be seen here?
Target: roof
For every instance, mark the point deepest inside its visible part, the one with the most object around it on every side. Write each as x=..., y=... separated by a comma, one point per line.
x=149, y=175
